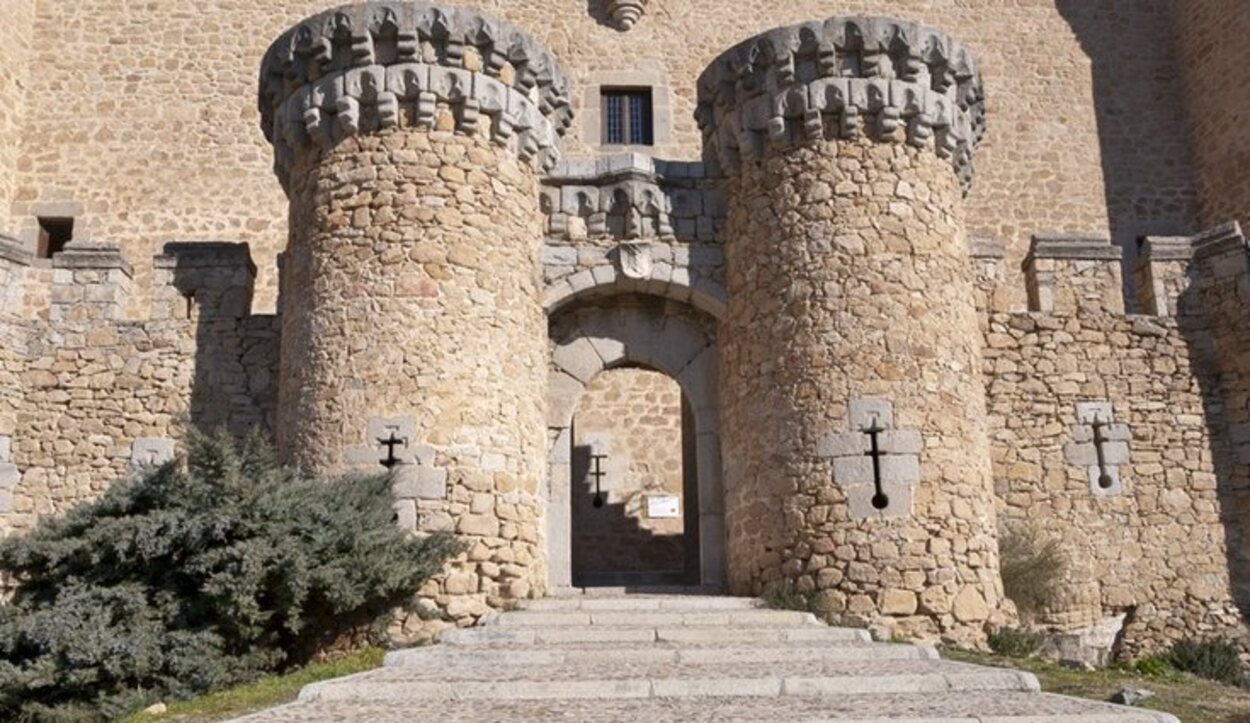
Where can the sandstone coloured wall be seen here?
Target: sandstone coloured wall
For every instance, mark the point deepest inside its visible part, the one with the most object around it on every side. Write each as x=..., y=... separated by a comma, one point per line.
x=16, y=53
x=1214, y=60
x=90, y=395
x=146, y=116
x=634, y=417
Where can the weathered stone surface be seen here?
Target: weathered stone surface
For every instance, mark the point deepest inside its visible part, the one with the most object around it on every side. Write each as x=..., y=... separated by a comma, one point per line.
x=852, y=83
x=969, y=606
x=104, y=346
x=361, y=68
x=785, y=392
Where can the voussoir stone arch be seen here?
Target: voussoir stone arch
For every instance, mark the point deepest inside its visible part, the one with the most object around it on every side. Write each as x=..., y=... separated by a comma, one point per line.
x=670, y=337
x=670, y=282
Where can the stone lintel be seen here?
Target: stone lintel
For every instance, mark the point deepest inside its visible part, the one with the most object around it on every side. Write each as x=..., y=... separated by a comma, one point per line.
x=80, y=256
x=1074, y=248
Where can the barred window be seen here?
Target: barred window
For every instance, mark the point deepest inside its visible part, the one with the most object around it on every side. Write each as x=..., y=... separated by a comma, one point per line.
x=627, y=116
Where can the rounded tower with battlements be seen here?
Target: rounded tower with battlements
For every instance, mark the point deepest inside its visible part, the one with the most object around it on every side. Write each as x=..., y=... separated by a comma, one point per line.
x=409, y=138
x=853, y=408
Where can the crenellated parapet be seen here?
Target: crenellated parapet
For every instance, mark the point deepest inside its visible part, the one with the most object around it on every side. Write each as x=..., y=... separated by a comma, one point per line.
x=1070, y=275
x=360, y=68
x=843, y=78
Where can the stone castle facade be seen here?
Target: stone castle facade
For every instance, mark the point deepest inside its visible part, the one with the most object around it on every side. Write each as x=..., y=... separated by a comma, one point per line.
x=918, y=273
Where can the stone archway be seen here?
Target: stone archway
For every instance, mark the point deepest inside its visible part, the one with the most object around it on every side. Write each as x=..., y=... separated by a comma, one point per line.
x=670, y=337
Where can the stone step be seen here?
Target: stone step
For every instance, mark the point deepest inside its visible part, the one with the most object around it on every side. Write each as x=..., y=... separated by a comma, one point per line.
x=516, y=635
x=657, y=619
x=608, y=681
x=948, y=707
x=684, y=660
x=641, y=603
x=654, y=653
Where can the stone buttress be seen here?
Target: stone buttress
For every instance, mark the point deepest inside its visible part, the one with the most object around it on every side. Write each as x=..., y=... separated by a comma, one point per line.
x=409, y=138
x=853, y=409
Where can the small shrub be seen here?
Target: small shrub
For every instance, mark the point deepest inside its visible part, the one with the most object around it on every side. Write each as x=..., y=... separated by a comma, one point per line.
x=1032, y=569
x=785, y=597
x=1154, y=666
x=1216, y=660
x=1015, y=642
x=190, y=579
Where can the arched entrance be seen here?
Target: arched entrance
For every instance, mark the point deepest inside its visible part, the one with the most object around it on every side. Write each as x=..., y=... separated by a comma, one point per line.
x=635, y=497
x=640, y=333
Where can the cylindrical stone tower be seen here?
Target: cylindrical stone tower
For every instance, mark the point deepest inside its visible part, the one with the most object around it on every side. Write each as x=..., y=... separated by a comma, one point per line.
x=409, y=138
x=853, y=408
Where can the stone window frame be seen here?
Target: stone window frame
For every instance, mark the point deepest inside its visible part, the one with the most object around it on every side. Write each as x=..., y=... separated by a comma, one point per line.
x=593, y=126
x=28, y=233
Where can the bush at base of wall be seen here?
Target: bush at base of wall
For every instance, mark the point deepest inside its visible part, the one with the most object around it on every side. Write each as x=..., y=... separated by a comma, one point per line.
x=193, y=577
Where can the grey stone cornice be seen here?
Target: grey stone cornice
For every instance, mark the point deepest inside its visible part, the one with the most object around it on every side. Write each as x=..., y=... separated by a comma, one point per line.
x=92, y=256
x=1220, y=240
x=1074, y=248
x=359, y=68
x=1166, y=248
x=842, y=78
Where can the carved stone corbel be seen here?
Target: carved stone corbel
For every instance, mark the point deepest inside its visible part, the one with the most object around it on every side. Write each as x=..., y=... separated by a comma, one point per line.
x=625, y=14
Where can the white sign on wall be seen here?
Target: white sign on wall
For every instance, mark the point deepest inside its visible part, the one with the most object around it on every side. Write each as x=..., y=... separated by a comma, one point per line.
x=663, y=507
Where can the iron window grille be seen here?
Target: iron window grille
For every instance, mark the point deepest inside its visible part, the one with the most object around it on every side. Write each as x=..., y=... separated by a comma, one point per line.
x=627, y=117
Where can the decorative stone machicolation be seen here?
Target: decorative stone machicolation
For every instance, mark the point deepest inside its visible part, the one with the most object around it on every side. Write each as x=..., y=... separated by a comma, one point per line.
x=386, y=64
x=841, y=79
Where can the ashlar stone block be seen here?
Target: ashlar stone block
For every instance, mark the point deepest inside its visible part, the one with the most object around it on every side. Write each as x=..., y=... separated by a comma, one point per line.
x=866, y=412
x=10, y=476
x=1100, y=445
x=897, y=461
x=413, y=482
x=147, y=451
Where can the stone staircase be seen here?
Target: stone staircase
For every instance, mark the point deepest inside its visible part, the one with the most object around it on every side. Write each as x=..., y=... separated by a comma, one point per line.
x=679, y=658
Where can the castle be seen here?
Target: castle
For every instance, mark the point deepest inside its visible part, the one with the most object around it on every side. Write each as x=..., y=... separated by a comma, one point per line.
x=893, y=277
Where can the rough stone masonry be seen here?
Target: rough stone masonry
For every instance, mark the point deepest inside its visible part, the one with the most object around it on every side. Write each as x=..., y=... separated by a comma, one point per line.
x=919, y=276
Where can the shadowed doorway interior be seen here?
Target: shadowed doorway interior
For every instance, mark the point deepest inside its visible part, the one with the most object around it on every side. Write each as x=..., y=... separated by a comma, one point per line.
x=635, y=508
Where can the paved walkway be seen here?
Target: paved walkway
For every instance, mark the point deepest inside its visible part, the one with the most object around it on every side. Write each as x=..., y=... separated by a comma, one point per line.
x=680, y=659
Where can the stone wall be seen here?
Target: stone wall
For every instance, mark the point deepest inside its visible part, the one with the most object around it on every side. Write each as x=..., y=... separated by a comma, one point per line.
x=634, y=417
x=89, y=395
x=161, y=141
x=1144, y=509
x=1214, y=59
x=15, y=67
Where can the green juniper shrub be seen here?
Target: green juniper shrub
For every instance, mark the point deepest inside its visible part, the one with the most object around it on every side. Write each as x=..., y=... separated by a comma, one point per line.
x=1217, y=660
x=1015, y=642
x=1032, y=569
x=192, y=577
